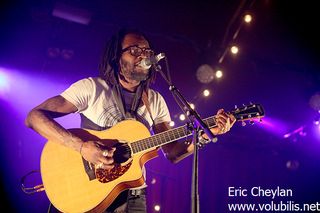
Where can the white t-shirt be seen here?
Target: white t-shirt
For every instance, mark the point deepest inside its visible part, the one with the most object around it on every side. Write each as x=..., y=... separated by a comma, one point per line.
x=93, y=98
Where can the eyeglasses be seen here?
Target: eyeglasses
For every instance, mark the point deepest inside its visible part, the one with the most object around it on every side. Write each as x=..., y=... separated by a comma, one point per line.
x=137, y=51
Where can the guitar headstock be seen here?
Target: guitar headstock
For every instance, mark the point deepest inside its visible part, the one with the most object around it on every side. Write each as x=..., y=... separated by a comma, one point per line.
x=248, y=112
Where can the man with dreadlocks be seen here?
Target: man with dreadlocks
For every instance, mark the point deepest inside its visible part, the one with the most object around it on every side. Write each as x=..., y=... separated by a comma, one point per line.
x=121, y=92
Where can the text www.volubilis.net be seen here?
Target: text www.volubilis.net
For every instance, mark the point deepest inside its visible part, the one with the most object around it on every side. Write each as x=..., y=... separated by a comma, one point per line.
x=274, y=207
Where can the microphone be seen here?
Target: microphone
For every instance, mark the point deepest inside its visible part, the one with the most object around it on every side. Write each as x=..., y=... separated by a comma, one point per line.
x=146, y=63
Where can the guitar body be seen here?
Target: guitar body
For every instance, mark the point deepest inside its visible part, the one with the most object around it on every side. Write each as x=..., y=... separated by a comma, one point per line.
x=66, y=182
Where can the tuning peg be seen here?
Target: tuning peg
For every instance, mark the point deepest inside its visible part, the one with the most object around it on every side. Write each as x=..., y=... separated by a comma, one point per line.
x=244, y=106
x=243, y=123
x=251, y=122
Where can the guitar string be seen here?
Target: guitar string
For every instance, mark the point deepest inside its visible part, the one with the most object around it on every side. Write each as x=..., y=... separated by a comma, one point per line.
x=158, y=139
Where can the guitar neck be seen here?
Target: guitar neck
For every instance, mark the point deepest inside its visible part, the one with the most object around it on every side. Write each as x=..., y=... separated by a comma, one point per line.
x=247, y=112
x=166, y=137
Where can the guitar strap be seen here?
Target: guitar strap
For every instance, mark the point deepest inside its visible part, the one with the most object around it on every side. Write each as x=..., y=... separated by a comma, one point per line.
x=141, y=94
x=146, y=102
x=117, y=93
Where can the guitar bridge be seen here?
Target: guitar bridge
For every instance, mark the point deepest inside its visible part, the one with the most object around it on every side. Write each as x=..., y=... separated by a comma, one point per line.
x=105, y=176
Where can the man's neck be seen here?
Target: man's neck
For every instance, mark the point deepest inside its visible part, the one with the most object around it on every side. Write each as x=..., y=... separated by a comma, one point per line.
x=130, y=85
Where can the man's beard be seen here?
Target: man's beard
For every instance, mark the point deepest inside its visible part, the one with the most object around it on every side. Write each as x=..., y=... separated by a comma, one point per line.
x=129, y=72
x=138, y=76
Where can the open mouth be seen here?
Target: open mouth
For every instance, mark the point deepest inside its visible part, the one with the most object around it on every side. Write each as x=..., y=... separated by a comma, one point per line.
x=138, y=66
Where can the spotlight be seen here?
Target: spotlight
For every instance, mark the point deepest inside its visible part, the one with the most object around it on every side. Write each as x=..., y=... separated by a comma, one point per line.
x=234, y=50
x=206, y=93
x=157, y=208
x=4, y=82
x=316, y=121
x=219, y=74
x=247, y=18
x=67, y=54
x=153, y=181
x=182, y=117
x=292, y=165
x=205, y=74
x=71, y=13
x=171, y=123
x=314, y=102
x=53, y=52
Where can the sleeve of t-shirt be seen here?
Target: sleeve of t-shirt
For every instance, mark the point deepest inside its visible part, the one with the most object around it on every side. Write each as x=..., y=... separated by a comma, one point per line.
x=162, y=112
x=79, y=93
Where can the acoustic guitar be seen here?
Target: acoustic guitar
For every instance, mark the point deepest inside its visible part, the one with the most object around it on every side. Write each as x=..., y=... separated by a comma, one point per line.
x=74, y=185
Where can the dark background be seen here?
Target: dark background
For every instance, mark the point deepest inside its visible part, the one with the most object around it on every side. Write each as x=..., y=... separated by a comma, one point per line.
x=277, y=66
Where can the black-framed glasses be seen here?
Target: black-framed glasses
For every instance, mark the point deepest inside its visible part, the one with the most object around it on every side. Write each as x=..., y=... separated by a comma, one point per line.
x=137, y=51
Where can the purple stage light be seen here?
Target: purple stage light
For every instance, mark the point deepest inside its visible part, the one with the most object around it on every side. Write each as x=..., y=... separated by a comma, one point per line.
x=71, y=13
x=24, y=91
x=274, y=126
x=317, y=130
x=301, y=131
x=4, y=82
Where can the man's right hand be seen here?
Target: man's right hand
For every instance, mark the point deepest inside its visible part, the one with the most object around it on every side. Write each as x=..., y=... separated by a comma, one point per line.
x=101, y=158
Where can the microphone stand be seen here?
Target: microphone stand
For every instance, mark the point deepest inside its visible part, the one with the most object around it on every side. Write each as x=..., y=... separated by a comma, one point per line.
x=197, y=125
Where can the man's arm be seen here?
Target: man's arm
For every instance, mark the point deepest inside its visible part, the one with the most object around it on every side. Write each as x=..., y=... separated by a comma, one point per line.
x=41, y=119
x=176, y=151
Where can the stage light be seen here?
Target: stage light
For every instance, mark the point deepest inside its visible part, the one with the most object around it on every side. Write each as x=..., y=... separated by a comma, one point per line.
x=292, y=164
x=171, y=123
x=182, y=117
x=219, y=74
x=314, y=102
x=234, y=50
x=53, y=52
x=205, y=74
x=153, y=181
x=71, y=13
x=206, y=93
x=192, y=106
x=157, y=208
x=4, y=82
x=67, y=54
x=247, y=18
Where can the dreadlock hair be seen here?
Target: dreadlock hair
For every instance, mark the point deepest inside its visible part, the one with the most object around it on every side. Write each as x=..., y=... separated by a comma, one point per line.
x=109, y=65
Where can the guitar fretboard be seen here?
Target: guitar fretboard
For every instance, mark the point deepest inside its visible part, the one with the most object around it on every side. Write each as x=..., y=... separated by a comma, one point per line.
x=166, y=137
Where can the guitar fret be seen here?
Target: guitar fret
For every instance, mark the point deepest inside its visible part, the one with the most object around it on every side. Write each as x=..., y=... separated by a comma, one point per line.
x=170, y=134
x=158, y=140
x=145, y=144
x=133, y=147
x=152, y=142
x=140, y=146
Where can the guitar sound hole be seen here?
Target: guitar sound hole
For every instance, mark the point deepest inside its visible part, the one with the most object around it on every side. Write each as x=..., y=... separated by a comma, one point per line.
x=122, y=153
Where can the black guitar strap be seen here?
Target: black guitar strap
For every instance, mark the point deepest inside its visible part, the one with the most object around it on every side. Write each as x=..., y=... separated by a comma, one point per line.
x=146, y=102
x=117, y=93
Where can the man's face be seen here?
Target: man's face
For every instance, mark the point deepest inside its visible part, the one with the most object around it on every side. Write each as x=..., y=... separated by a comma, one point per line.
x=135, y=49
